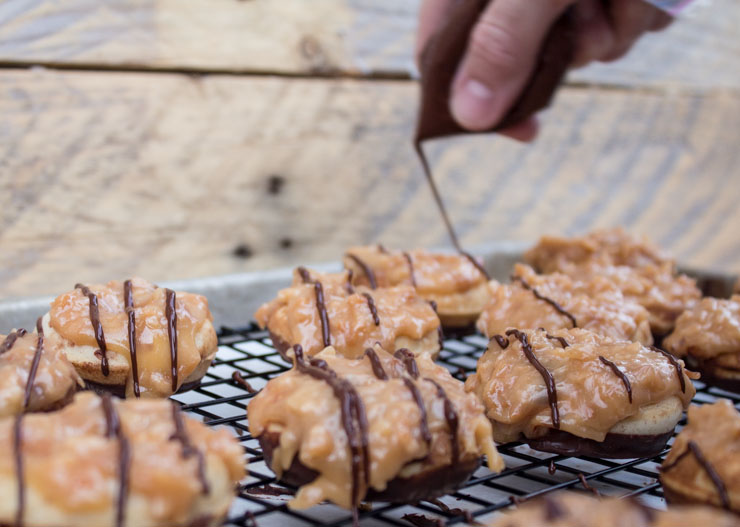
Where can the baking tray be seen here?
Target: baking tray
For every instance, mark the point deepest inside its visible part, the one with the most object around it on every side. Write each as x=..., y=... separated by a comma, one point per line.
x=220, y=401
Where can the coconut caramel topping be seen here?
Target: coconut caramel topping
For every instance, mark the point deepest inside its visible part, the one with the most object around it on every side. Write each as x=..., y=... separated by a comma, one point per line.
x=534, y=383
x=319, y=310
x=104, y=461
x=153, y=337
x=555, y=301
x=361, y=423
x=641, y=271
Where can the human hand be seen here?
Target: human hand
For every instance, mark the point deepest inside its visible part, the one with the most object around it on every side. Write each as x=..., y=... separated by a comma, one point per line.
x=506, y=40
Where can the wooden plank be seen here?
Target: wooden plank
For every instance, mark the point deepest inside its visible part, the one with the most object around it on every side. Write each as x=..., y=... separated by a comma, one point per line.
x=172, y=176
x=347, y=37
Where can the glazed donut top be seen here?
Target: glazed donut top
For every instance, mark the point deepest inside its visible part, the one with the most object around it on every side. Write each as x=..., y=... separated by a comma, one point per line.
x=430, y=273
x=555, y=301
x=572, y=380
x=321, y=310
x=709, y=329
x=410, y=414
x=705, y=458
x=34, y=376
x=102, y=458
x=159, y=331
x=571, y=509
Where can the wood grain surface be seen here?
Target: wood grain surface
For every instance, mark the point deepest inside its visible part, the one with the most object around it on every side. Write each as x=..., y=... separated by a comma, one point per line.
x=173, y=176
x=321, y=37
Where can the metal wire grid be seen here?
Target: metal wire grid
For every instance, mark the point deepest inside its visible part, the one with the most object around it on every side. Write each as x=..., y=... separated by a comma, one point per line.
x=222, y=401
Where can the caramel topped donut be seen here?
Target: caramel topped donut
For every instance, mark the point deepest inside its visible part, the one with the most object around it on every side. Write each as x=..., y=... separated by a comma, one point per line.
x=381, y=426
x=708, y=335
x=104, y=462
x=571, y=509
x=34, y=376
x=455, y=282
x=133, y=338
x=321, y=310
x=704, y=464
x=572, y=391
x=639, y=269
x=556, y=301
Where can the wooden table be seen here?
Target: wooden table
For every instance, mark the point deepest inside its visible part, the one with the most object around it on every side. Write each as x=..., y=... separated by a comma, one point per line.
x=174, y=139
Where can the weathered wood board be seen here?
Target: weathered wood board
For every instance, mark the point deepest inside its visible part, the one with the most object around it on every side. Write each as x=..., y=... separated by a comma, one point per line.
x=346, y=37
x=174, y=176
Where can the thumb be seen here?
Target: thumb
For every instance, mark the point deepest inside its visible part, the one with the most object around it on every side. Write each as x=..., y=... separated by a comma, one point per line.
x=501, y=55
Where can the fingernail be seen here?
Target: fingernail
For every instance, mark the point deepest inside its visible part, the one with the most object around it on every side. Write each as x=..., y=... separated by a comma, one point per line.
x=473, y=105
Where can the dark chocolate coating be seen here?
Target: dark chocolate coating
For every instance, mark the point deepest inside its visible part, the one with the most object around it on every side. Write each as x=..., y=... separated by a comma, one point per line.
x=120, y=390
x=614, y=446
x=426, y=485
x=443, y=54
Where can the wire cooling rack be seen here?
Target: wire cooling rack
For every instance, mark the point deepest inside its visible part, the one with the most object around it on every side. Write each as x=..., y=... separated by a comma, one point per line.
x=222, y=401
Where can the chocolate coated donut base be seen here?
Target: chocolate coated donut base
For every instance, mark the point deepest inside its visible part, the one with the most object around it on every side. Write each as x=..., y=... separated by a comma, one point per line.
x=614, y=446
x=426, y=485
x=120, y=391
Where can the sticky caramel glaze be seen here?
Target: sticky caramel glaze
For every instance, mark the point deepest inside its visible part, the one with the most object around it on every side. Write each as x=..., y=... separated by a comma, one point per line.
x=307, y=414
x=73, y=466
x=704, y=464
x=596, y=304
x=571, y=509
x=294, y=316
x=589, y=397
x=34, y=375
x=170, y=331
x=642, y=272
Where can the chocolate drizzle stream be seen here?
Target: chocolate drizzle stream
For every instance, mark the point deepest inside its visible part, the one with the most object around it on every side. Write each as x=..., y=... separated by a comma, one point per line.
x=407, y=358
x=171, y=314
x=97, y=326
x=378, y=370
x=323, y=315
x=694, y=449
x=188, y=450
x=241, y=381
x=550, y=301
x=411, y=268
x=18, y=458
x=451, y=418
x=676, y=365
x=34, y=364
x=477, y=264
x=502, y=341
x=10, y=340
x=305, y=275
x=423, y=422
x=619, y=373
x=552, y=393
x=561, y=340
x=365, y=269
x=354, y=419
x=371, y=306
x=128, y=299
x=350, y=275
x=113, y=429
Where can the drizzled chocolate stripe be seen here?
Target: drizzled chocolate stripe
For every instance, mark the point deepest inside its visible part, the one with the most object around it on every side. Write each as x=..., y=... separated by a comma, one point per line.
x=382, y=249
x=552, y=393
x=34, y=364
x=451, y=417
x=676, y=366
x=371, y=306
x=9, y=341
x=440, y=331
x=619, y=373
x=97, y=326
x=354, y=419
x=693, y=448
x=305, y=275
x=18, y=459
x=113, y=430
x=128, y=300
x=188, y=450
x=378, y=370
x=502, y=341
x=323, y=315
x=411, y=268
x=561, y=340
x=365, y=269
x=171, y=314
x=350, y=275
x=550, y=301
x=476, y=263
x=409, y=362
x=423, y=422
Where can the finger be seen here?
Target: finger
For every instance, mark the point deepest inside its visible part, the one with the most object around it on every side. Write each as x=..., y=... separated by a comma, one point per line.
x=432, y=14
x=595, y=37
x=524, y=131
x=630, y=19
x=500, y=58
